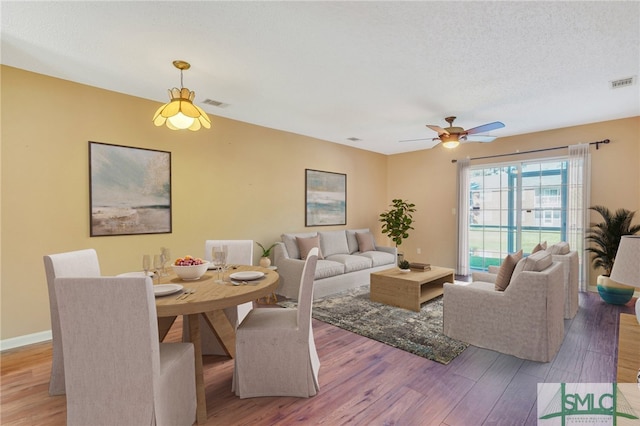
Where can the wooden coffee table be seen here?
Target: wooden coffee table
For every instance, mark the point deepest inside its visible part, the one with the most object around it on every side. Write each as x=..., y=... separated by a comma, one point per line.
x=408, y=290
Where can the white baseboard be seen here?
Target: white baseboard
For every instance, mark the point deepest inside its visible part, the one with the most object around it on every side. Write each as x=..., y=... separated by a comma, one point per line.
x=28, y=339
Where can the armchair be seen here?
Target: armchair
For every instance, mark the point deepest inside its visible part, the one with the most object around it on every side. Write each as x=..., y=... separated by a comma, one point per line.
x=525, y=320
x=570, y=272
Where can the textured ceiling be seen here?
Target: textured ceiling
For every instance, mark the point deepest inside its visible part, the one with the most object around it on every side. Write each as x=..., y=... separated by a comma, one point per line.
x=376, y=71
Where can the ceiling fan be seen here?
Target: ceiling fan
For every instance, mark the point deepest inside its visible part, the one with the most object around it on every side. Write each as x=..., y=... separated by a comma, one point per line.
x=452, y=136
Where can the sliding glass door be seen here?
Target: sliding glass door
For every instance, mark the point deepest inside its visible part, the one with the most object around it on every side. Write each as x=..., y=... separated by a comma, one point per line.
x=514, y=206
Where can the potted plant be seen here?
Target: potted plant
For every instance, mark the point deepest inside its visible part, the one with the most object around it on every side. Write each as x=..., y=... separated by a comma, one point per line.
x=265, y=261
x=396, y=222
x=404, y=265
x=605, y=237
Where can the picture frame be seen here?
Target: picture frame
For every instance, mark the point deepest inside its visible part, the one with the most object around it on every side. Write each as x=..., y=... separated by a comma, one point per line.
x=129, y=190
x=325, y=198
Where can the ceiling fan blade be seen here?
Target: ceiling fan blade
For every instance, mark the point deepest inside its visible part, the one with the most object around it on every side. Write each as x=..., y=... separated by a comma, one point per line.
x=480, y=138
x=418, y=140
x=437, y=129
x=486, y=127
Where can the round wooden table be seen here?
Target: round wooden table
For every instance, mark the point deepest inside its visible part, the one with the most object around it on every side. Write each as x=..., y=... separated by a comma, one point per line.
x=209, y=300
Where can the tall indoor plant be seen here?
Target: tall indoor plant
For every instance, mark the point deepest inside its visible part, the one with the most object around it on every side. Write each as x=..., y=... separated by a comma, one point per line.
x=605, y=238
x=396, y=222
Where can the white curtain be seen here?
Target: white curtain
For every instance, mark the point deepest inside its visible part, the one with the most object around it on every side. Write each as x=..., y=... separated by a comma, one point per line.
x=578, y=202
x=462, y=267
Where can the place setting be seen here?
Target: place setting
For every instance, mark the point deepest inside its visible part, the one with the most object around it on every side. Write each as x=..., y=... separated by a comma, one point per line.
x=246, y=277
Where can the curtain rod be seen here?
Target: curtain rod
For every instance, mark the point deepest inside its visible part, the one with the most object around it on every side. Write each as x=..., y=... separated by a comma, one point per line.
x=597, y=144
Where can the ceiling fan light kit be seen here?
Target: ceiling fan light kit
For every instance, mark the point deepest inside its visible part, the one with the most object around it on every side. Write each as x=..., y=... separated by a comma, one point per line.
x=180, y=113
x=450, y=140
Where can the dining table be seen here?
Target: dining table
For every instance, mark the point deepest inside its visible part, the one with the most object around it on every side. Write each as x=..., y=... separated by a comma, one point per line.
x=207, y=298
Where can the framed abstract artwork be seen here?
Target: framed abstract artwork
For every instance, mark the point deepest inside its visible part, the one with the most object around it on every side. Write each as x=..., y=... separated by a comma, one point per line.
x=326, y=198
x=129, y=190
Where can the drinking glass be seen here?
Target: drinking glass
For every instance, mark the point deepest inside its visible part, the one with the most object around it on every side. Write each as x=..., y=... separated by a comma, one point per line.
x=219, y=256
x=165, y=257
x=157, y=265
x=146, y=264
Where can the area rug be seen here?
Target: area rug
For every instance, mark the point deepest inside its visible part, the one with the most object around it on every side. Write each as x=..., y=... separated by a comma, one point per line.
x=417, y=332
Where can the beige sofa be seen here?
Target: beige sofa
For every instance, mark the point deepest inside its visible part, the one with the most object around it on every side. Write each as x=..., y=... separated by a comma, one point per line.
x=570, y=265
x=343, y=265
x=526, y=320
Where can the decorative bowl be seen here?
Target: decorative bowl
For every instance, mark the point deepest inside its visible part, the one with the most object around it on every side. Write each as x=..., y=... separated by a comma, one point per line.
x=405, y=271
x=192, y=272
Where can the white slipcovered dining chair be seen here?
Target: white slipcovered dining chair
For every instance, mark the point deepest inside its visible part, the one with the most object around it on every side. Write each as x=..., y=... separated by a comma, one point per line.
x=80, y=263
x=117, y=373
x=275, y=350
x=239, y=252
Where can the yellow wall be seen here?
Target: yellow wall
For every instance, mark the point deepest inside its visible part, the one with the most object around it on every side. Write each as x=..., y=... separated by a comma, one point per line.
x=234, y=181
x=428, y=179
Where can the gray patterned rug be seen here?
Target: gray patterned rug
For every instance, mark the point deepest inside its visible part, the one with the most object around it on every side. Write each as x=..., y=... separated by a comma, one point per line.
x=417, y=332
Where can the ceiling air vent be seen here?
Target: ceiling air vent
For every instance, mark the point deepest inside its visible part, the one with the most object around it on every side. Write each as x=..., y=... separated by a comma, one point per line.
x=215, y=103
x=623, y=82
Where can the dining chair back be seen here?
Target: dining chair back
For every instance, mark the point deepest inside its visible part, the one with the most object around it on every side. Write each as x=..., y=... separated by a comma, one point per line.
x=275, y=349
x=80, y=263
x=116, y=371
x=239, y=252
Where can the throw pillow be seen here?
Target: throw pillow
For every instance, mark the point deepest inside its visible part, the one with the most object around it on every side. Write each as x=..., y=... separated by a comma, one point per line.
x=560, y=248
x=539, y=246
x=536, y=262
x=365, y=241
x=306, y=244
x=506, y=270
x=351, y=239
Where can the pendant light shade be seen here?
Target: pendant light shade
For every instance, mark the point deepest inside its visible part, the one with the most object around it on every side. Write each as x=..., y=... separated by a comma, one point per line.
x=180, y=113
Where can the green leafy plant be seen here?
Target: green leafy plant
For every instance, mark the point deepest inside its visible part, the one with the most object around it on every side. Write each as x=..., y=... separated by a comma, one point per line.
x=404, y=264
x=605, y=236
x=396, y=222
x=266, y=252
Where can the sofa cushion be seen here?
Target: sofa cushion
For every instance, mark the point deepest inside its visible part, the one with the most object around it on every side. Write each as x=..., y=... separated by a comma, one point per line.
x=379, y=258
x=535, y=262
x=506, y=270
x=333, y=242
x=328, y=268
x=352, y=242
x=306, y=244
x=560, y=248
x=365, y=241
x=539, y=246
x=291, y=244
x=351, y=262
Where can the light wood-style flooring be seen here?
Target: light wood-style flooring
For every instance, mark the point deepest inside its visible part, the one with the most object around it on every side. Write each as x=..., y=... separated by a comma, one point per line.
x=364, y=382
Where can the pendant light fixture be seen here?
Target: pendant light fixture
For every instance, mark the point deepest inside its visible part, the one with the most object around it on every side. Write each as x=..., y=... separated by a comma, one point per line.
x=180, y=113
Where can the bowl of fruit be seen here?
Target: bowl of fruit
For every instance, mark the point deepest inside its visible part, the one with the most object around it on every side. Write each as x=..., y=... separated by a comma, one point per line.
x=190, y=268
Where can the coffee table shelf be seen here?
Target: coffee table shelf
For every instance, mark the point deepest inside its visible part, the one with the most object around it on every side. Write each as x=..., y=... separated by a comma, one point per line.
x=408, y=290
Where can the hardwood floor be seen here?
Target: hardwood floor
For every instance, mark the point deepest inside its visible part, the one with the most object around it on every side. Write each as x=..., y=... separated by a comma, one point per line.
x=364, y=382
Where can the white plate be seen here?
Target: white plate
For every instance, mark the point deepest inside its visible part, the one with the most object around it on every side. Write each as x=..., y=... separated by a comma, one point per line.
x=246, y=275
x=164, y=289
x=135, y=274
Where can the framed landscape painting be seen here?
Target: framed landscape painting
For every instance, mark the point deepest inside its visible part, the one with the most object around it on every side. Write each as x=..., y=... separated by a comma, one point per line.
x=326, y=198
x=130, y=190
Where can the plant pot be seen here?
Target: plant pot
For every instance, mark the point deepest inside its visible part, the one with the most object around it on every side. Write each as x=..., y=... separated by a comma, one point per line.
x=400, y=257
x=613, y=292
x=265, y=262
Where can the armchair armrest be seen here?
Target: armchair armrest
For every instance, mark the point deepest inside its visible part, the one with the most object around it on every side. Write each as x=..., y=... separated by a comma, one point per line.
x=486, y=277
